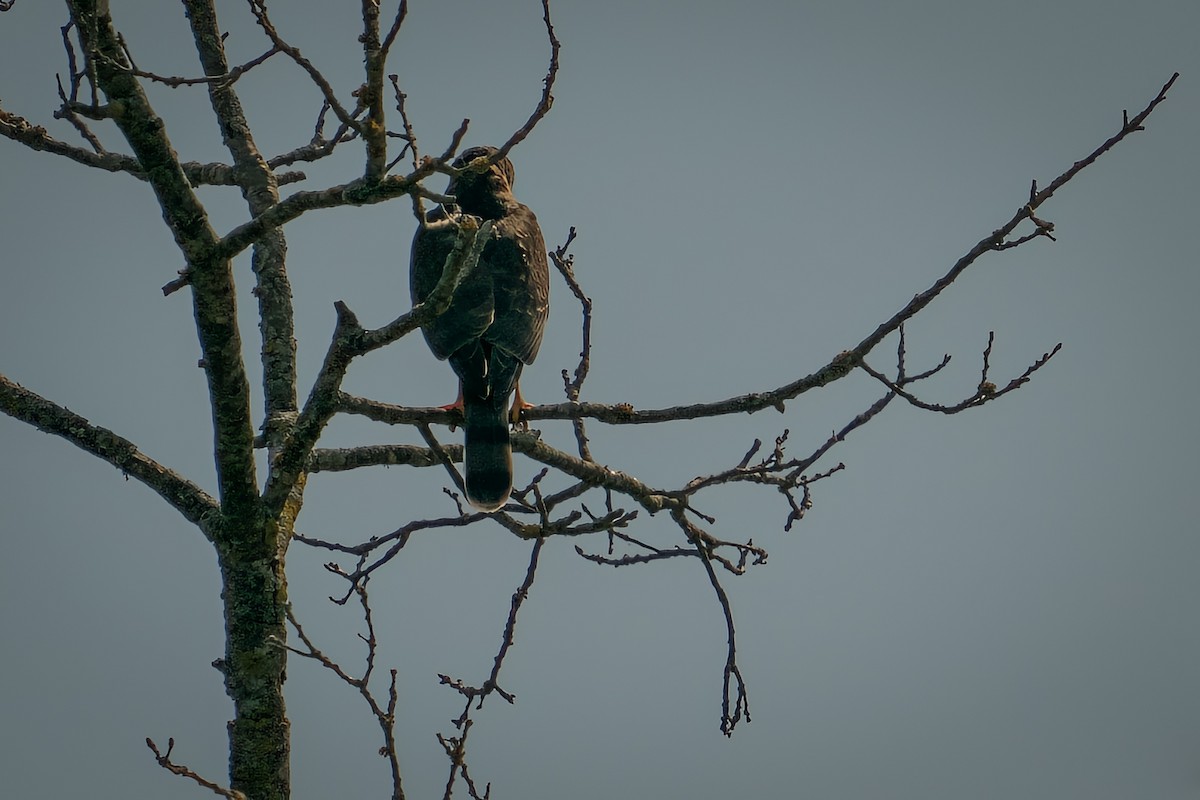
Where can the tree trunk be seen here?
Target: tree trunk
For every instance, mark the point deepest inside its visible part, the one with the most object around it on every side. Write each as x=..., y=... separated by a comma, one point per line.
x=255, y=664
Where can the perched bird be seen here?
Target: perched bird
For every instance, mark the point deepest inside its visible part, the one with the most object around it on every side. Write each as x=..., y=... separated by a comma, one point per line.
x=494, y=324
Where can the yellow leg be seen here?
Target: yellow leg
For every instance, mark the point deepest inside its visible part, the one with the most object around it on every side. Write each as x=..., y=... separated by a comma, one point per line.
x=518, y=406
x=457, y=405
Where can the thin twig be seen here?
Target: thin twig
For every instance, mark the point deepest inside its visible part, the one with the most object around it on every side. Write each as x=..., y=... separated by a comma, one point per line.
x=164, y=761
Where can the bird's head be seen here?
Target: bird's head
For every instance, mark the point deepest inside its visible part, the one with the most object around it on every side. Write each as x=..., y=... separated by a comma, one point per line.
x=482, y=193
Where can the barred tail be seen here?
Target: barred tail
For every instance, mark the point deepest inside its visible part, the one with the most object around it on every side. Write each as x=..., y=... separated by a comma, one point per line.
x=488, y=456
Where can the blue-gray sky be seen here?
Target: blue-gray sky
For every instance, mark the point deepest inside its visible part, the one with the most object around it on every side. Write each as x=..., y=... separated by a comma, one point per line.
x=995, y=605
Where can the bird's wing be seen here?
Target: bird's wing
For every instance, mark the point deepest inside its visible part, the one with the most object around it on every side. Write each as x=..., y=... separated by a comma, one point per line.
x=471, y=310
x=520, y=277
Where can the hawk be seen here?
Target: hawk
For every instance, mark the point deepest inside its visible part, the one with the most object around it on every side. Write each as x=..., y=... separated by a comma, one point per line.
x=494, y=324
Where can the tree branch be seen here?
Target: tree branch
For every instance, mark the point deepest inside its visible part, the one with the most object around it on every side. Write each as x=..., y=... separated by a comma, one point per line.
x=456, y=746
x=996, y=241
x=547, y=98
x=259, y=9
x=984, y=393
x=226, y=77
x=733, y=685
x=386, y=718
x=164, y=761
x=370, y=95
x=379, y=455
x=35, y=137
x=293, y=206
x=260, y=190
x=187, y=498
x=211, y=274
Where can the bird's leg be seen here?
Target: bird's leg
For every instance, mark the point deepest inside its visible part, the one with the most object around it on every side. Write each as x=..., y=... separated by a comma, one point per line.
x=518, y=406
x=457, y=405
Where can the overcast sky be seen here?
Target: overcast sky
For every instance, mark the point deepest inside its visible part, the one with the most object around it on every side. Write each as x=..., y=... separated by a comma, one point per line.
x=1000, y=604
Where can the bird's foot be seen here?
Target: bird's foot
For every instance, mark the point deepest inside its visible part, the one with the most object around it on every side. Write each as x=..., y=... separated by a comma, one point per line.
x=518, y=407
x=457, y=406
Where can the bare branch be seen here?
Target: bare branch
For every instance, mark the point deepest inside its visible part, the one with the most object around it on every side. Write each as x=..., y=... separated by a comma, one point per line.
x=181, y=494
x=653, y=500
x=342, y=459
x=734, y=686
x=164, y=761
x=565, y=264
x=211, y=275
x=985, y=393
x=71, y=108
x=400, y=535
x=353, y=193
x=260, y=190
x=443, y=457
x=456, y=746
x=547, y=99
x=655, y=554
x=997, y=239
x=259, y=9
x=385, y=717
x=224, y=79
x=410, y=139
x=35, y=137
x=543, y=107
x=370, y=95
x=397, y=21
x=318, y=147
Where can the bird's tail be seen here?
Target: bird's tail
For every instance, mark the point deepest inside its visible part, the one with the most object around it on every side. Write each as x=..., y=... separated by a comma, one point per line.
x=488, y=455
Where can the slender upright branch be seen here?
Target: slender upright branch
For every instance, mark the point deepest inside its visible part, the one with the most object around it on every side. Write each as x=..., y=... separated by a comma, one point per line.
x=371, y=94
x=212, y=277
x=456, y=746
x=547, y=98
x=385, y=716
x=260, y=190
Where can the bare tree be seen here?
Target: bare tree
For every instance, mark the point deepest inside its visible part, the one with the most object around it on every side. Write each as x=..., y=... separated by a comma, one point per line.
x=572, y=494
